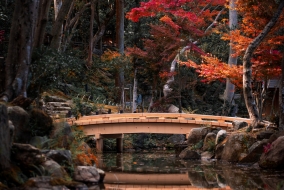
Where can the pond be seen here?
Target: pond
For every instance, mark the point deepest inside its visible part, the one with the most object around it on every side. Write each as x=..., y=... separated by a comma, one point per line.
x=163, y=170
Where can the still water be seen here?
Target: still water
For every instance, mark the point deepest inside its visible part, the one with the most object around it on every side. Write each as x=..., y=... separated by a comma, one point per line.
x=163, y=170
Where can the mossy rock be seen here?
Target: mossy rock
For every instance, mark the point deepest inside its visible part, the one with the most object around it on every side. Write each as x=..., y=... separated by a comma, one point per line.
x=40, y=123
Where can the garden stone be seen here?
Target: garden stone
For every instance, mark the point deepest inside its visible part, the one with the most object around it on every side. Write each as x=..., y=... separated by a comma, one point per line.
x=236, y=145
x=43, y=183
x=20, y=118
x=60, y=156
x=254, y=152
x=27, y=156
x=221, y=135
x=239, y=124
x=196, y=135
x=187, y=154
x=209, y=142
x=54, y=169
x=273, y=158
x=86, y=174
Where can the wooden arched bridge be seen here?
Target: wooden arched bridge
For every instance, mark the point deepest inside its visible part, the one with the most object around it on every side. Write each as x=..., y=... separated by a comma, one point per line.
x=115, y=125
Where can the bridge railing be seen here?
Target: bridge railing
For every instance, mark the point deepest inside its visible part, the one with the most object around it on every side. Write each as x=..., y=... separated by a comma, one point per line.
x=159, y=117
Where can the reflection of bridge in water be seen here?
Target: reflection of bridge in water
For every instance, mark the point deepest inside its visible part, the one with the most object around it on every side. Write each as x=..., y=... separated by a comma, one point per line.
x=116, y=125
x=121, y=181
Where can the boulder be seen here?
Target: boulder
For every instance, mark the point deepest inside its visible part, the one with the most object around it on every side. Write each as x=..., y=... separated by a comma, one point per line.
x=236, y=146
x=209, y=142
x=219, y=150
x=60, y=156
x=273, y=158
x=254, y=152
x=5, y=138
x=27, y=156
x=187, y=154
x=221, y=135
x=239, y=124
x=44, y=183
x=54, y=169
x=87, y=174
x=197, y=134
x=40, y=123
x=20, y=119
x=102, y=174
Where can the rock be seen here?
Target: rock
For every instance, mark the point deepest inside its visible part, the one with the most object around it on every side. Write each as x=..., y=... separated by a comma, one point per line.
x=22, y=102
x=264, y=135
x=197, y=134
x=179, y=147
x=86, y=174
x=239, y=124
x=254, y=152
x=20, y=119
x=42, y=183
x=221, y=135
x=219, y=150
x=62, y=157
x=54, y=99
x=40, y=123
x=5, y=138
x=275, y=136
x=102, y=175
x=39, y=142
x=274, y=157
x=27, y=156
x=176, y=139
x=187, y=154
x=209, y=142
x=207, y=156
x=54, y=169
x=237, y=144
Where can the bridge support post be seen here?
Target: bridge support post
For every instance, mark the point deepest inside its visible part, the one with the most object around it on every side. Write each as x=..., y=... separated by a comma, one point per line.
x=99, y=145
x=119, y=145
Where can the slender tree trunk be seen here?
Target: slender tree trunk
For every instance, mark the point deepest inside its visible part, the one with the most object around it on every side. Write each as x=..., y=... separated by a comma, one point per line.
x=120, y=44
x=56, y=30
x=41, y=23
x=90, y=53
x=20, y=49
x=233, y=22
x=166, y=88
x=281, y=97
x=134, y=100
x=247, y=66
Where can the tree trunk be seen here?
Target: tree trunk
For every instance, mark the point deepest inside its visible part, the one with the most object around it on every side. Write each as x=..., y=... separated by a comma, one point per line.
x=233, y=22
x=247, y=66
x=135, y=84
x=166, y=88
x=120, y=44
x=20, y=49
x=90, y=53
x=281, y=97
x=56, y=30
x=41, y=23
x=5, y=139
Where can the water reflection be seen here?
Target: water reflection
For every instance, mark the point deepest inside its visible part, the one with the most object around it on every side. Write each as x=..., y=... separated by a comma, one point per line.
x=164, y=169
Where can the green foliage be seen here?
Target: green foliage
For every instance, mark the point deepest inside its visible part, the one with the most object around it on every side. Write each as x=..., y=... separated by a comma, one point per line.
x=198, y=145
x=49, y=68
x=82, y=108
x=40, y=124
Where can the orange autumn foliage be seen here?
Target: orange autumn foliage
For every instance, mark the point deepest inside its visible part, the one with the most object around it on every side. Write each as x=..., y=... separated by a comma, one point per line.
x=86, y=158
